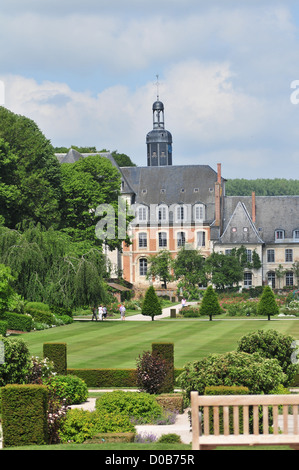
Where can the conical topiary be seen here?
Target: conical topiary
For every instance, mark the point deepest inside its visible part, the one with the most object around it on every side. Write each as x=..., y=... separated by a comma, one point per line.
x=151, y=304
x=210, y=304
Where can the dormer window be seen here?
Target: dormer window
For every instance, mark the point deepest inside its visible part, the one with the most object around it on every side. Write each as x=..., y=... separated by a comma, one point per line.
x=142, y=214
x=296, y=234
x=279, y=234
x=162, y=213
x=199, y=212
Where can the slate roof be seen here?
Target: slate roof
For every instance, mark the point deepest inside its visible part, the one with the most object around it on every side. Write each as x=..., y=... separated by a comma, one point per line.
x=240, y=228
x=185, y=184
x=272, y=213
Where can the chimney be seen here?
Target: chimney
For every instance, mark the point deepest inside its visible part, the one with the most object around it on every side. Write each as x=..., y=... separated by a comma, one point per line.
x=218, y=193
x=219, y=173
x=253, y=208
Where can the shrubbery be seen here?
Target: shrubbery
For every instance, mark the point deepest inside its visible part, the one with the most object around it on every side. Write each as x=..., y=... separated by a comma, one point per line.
x=259, y=374
x=70, y=388
x=151, y=372
x=80, y=425
x=138, y=406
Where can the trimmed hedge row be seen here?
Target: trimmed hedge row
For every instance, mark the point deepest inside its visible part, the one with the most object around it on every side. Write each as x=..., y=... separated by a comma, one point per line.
x=17, y=321
x=24, y=415
x=106, y=377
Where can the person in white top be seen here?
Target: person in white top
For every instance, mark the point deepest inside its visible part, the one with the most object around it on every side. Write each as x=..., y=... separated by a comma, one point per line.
x=100, y=312
x=122, y=310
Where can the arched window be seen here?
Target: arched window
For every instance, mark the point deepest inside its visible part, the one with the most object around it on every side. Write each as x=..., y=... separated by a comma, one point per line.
x=247, y=280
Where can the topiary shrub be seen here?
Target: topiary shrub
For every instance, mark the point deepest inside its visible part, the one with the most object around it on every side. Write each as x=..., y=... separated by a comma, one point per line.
x=16, y=366
x=57, y=353
x=151, y=305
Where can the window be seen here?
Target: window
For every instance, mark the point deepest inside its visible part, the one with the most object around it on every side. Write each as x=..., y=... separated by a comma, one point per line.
x=201, y=239
x=296, y=234
x=228, y=252
x=199, y=212
x=271, y=279
x=142, y=214
x=162, y=239
x=143, y=267
x=162, y=213
x=279, y=234
x=289, y=279
x=249, y=256
x=289, y=255
x=247, y=280
x=181, y=239
x=142, y=240
x=270, y=256
x=180, y=213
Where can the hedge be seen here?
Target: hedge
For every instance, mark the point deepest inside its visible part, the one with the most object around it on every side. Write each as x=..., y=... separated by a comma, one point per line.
x=57, y=353
x=106, y=377
x=17, y=321
x=166, y=352
x=3, y=327
x=24, y=415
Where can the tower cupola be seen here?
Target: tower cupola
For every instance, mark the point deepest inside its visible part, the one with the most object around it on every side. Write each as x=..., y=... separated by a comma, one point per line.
x=159, y=140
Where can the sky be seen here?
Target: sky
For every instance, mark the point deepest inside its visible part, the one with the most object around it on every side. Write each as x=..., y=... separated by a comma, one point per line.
x=85, y=72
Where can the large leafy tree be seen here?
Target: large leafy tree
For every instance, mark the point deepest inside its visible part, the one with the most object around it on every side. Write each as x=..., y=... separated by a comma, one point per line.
x=88, y=184
x=189, y=269
x=32, y=172
x=160, y=267
x=223, y=270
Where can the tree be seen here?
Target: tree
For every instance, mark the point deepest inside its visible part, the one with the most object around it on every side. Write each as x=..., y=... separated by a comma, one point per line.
x=223, y=270
x=272, y=345
x=210, y=305
x=89, y=183
x=189, y=268
x=151, y=305
x=267, y=305
x=6, y=291
x=32, y=172
x=160, y=267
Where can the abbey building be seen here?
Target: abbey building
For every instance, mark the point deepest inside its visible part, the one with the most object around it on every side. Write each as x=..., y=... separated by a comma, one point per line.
x=186, y=205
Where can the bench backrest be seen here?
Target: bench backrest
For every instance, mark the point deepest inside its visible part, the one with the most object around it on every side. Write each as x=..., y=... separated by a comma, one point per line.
x=235, y=406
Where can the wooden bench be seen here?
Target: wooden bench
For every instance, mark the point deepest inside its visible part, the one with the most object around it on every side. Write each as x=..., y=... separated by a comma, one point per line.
x=227, y=409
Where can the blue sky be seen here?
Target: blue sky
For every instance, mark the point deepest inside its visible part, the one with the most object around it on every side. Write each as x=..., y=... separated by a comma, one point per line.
x=85, y=71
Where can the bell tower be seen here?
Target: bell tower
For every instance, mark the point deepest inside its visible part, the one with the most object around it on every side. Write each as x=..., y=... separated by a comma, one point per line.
x=159, y=140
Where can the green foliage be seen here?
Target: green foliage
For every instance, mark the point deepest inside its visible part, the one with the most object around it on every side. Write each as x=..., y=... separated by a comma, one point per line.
x=259, y=374
x=272, y=345
x=170, y=438
x=57, y=353
x=50, y=268
x=70, y=388
x=160, y=267
x=210, y=305
x=6, y=291
x=19, y=322
x=224, y=270
x=165, y=351
x=24, y=415
x=137, y=405
x=262, y=187
x=267, y=305
x=189, y=268
x=31, y=172
x=3, y=328
x=107, y=377
x=17, y=362
x=80, y=425
x=151, y=305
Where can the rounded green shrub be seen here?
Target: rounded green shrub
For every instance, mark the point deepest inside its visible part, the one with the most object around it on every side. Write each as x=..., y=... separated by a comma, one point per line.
x=80, y=425
x=68, y=387
x=138, y=405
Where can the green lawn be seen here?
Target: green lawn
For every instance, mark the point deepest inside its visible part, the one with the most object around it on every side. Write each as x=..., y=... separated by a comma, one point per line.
x=113, y=344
